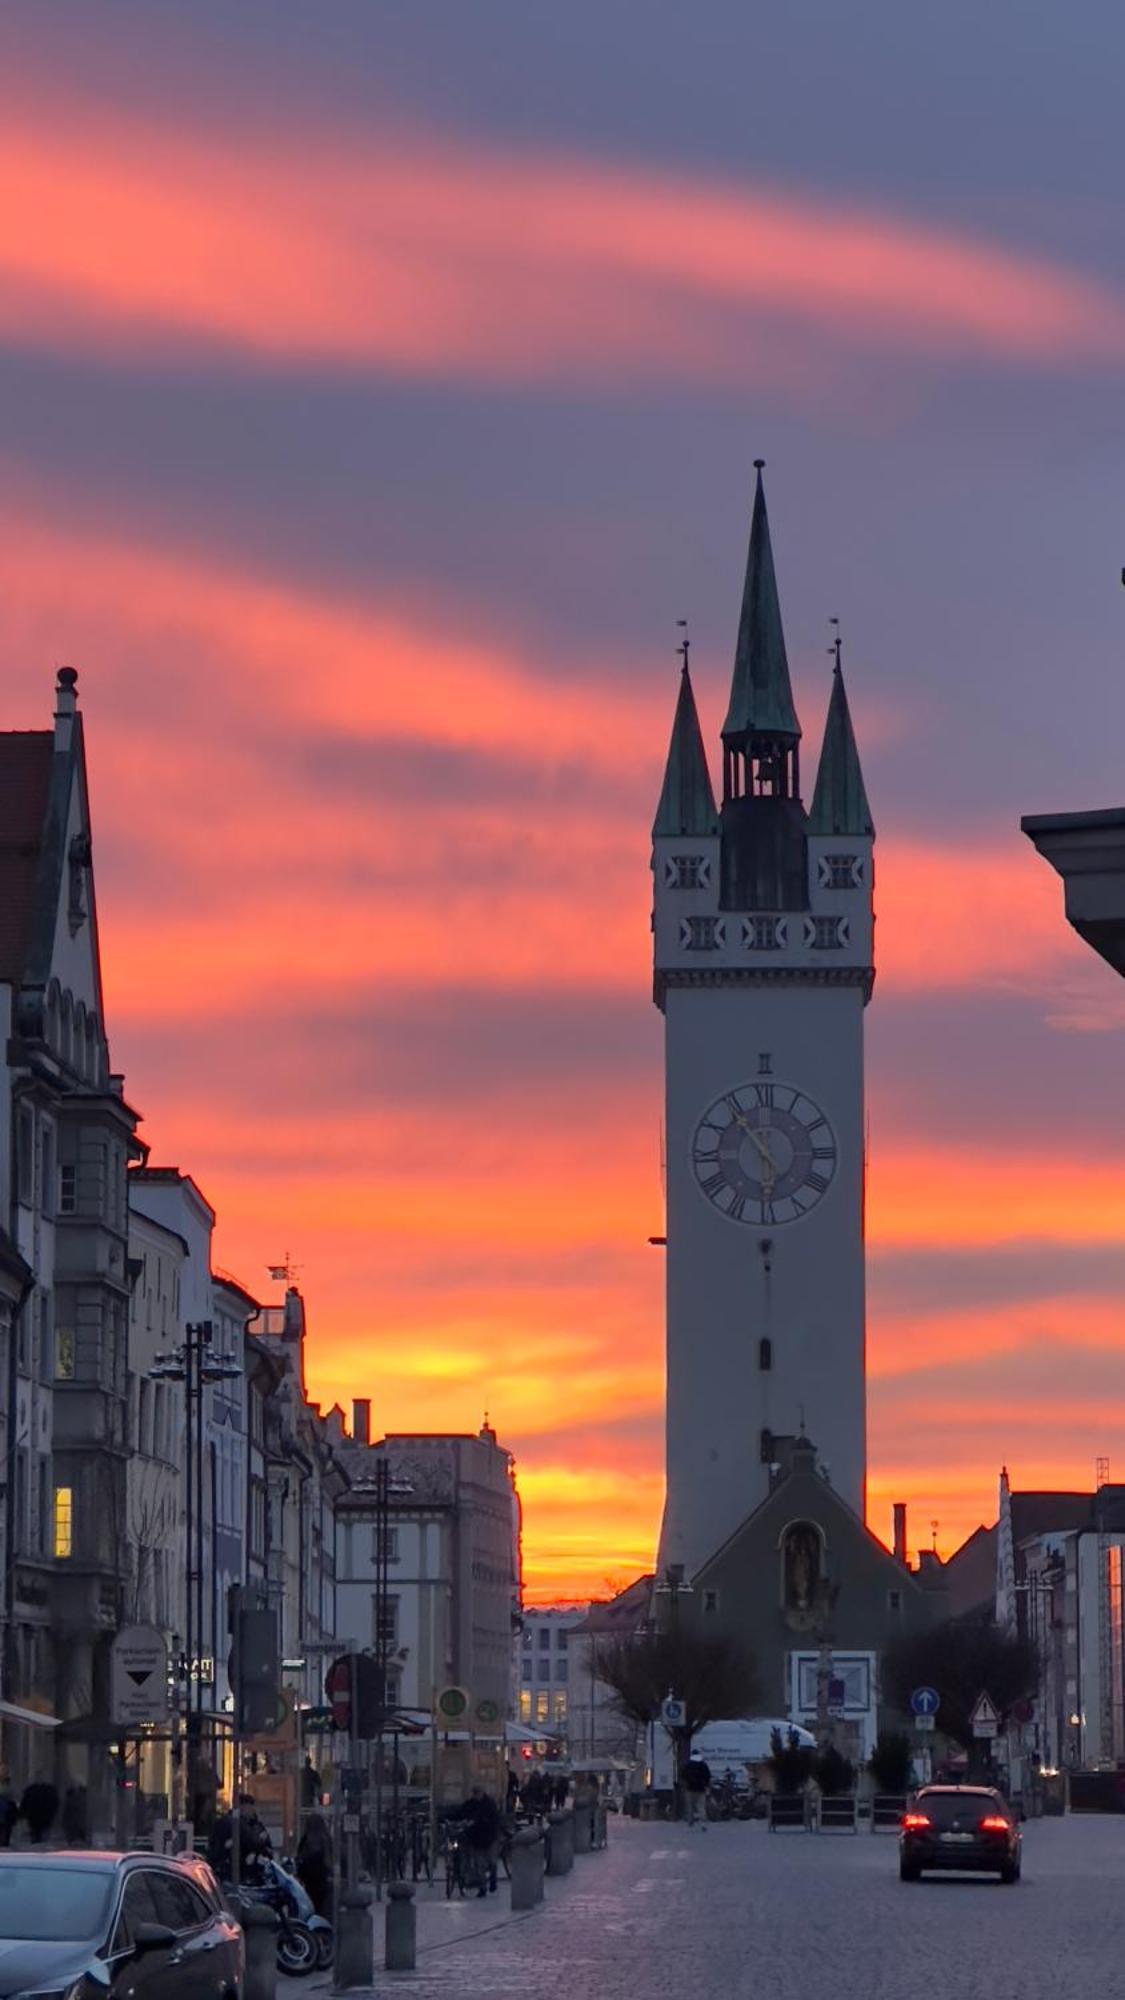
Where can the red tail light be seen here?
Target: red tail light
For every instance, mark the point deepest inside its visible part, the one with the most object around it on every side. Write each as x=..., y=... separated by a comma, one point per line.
x=914, y=1822
x=994, y=1823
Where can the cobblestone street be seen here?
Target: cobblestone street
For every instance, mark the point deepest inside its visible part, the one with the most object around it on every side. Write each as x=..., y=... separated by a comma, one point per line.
x=737, y=1912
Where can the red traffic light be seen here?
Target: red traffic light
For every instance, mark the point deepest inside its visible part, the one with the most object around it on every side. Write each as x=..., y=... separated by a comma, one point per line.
x=338, y=1688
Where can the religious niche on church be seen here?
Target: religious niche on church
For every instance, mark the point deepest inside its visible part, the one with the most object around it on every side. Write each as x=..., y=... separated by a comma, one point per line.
x=802, y=1574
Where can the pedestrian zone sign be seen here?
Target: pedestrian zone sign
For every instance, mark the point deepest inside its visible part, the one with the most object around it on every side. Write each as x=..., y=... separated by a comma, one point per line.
x=139, y=1676
x=673, y=1712
x=985, y=1717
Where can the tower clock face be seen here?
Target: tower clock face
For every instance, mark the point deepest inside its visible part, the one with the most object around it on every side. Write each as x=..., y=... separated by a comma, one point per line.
x=764, y=1153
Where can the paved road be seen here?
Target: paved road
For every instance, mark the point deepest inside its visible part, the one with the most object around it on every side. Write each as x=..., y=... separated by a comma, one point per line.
x=738, y=1914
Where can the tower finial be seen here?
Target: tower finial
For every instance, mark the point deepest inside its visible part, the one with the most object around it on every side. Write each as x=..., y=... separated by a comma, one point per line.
x=684, y=647
x=837, y=645
x=759, y=465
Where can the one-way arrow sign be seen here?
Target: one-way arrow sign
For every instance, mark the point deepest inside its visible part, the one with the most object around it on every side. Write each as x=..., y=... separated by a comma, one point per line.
x=985, y=1717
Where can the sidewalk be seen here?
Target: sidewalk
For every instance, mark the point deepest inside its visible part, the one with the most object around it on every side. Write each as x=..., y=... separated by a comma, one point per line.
x=442, y=1921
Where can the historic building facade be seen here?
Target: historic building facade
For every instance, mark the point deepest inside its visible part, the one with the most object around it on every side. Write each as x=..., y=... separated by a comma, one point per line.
x=763, y=964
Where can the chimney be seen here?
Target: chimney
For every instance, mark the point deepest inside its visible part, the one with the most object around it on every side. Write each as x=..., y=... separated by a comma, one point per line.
x=361, y=1420
x=66, y=706
x=900, y=1534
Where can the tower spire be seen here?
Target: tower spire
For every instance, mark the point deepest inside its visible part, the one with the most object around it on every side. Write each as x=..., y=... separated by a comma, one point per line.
x=687, y=802
x=761, y=698
x=839, y=803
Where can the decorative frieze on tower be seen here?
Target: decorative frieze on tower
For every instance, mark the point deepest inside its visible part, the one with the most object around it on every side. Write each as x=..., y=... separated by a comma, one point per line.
x=763, y=963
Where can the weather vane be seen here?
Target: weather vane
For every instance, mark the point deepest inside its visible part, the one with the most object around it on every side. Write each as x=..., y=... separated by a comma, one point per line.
x=684, y=647
x=837, y=643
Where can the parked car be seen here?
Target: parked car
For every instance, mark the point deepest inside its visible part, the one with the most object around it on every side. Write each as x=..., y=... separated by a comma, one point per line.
x=966, y=1827
x=96, y=1926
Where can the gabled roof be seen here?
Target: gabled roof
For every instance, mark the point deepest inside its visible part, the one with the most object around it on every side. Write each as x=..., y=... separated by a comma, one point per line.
x=761, y=698
x=839, y=804
x=687, y=802
x=25, y=782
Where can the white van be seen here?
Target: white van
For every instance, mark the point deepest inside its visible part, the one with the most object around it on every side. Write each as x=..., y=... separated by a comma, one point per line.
x=732, y=1747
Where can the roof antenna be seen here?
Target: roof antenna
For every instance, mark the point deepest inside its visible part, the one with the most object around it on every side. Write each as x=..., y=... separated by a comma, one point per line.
x=684, y=647
x=837, y=643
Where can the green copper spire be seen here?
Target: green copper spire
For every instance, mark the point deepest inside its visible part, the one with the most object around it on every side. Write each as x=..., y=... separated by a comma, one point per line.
x=839, y=802
x=687, y=803
x=761, y=699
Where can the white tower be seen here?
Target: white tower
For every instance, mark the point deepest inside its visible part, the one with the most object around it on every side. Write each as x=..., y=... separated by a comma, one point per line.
x=763, y=963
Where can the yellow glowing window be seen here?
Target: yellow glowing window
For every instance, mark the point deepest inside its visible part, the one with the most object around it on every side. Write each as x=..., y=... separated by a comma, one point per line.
x=64, y=1520
x=525, y=1704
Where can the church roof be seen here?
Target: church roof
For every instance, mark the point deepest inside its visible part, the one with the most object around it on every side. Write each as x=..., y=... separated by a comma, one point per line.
x=687, y=802
x=25, y=781
x=839, y=803
x=761, y=698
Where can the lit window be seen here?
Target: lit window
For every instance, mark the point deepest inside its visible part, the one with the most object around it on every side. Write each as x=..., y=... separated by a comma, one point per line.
x=525, y=1704
x=542, y=1707
x=558, y=1706
x=64, y=1520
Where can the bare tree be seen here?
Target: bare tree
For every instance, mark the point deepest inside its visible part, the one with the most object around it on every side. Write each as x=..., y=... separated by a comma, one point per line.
x=714, y=1675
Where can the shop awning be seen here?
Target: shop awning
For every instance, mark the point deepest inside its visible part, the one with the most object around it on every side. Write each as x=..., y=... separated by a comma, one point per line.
x=32, y=1716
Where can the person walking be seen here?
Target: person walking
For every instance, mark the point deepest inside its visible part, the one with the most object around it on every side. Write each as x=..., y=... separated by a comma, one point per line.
x=39, y=1806
x=697, y=1784
x=314, y=1863
x=480, y=1817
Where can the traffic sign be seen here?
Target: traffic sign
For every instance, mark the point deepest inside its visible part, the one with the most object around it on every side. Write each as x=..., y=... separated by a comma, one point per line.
x=925, y=1701
x=139, y=1676
x=452, y=1704
x=488, y=1711
x=985, y=1717
x=673, y=1712
x=924, y=1722
x=338, y=1688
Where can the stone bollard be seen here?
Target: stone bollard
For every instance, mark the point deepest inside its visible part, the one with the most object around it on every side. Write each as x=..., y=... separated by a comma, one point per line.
x=402, y=1928
x=259, y=1929
x=583, y=1829
x=527, y=1868
x=562, y=1843
x=355, y=1942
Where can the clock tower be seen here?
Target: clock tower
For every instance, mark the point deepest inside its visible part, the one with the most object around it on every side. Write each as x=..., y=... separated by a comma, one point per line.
x=763, y=964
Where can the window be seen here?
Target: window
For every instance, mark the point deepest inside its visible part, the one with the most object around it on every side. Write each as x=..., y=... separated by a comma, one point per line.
x=894, y=1602
x=390, y=1544
x=562, y=1668
x=544, y=1673
x=561, y=1639
x=558, y=1706
x=44, y=1498
x=687, y=871
x=765, y=1447
x=525, y=1704
x=544, y=1639
x=542, y=1707
x=63, y=1353
x=25, y=1153
x=840, y=871
x=177, y=1904
x=64, y=1521
x=826, y=933
x=765, y=1355
x=68, y=1190
x=384, y=1626
x=702, y=933
x=527, y=1638
x=763, y=933
x=710, y=1602
x=47, y=1169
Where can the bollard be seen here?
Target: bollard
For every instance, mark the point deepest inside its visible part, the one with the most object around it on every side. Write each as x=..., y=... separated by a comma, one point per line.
x=527, y=1868
x=402, y=1928
x=259, y=1929
x=355, y=1942
x=561, y=1859
x=583, y=1829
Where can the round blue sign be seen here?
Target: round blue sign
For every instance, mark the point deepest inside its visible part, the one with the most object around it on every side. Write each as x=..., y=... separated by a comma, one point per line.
x=925, y=1701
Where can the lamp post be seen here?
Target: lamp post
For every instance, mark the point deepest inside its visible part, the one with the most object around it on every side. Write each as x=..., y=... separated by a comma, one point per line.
x=383, y=1487
x=193, y=1364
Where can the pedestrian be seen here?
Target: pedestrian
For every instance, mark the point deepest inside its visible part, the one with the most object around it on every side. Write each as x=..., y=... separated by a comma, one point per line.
x=310, y=1785
x=480, y=1817
x=39, y=1806
x=75, y=1816
x=512, y=1791
x=561, y=1791
x=697, y=1783
x=314, y=1863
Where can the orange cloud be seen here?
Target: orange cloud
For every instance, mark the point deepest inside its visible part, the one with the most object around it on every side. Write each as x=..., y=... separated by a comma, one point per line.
x=403, y=252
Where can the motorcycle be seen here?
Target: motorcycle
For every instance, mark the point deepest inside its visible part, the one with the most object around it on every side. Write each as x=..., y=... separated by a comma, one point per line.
x=305, y=1942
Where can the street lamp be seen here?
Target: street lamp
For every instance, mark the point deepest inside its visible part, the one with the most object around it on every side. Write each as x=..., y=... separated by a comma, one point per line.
x=383, y=1487
x=193, y=1364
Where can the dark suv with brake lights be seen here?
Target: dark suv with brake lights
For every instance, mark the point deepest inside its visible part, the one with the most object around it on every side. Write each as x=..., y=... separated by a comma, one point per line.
x=95, y=1926
x=963, y=1827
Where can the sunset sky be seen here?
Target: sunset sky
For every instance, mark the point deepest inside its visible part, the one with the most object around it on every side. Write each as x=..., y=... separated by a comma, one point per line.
x=379, y=384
